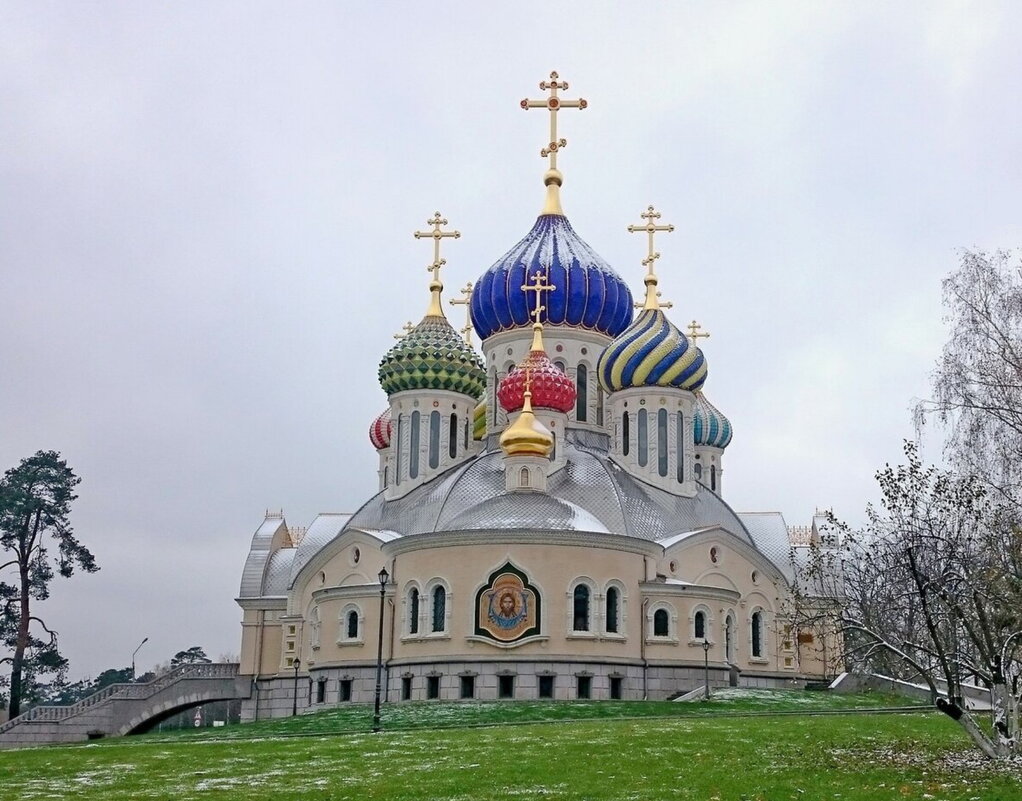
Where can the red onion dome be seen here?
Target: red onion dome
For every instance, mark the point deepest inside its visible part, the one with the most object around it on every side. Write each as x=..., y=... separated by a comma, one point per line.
x=551, y=388
x=379, y=431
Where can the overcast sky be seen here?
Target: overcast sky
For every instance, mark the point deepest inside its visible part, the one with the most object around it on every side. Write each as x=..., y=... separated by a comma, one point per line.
x=205, y=242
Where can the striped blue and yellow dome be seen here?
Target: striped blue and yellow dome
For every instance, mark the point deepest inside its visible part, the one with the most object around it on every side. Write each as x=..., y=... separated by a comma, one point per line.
x=587, y=292
x=651, y=353
x=709, y=426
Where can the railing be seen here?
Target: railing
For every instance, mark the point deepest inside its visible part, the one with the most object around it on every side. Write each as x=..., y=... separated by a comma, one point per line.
x=52, y=713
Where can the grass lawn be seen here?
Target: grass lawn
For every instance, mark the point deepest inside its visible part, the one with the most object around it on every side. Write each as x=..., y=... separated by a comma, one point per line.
x=590, y=751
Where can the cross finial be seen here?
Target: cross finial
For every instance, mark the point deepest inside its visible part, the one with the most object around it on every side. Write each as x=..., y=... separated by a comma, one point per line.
x=553, y=103
x=650, y=228
x=435, y=286
x=465, y=300
x=539, y=284
x=663, y=304
x=693, y=332
x=406, y=329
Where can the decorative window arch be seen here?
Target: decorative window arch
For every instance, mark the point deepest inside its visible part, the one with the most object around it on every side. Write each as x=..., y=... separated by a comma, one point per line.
x=730, y=630
x=615, y=604
x=582, y=393
x=642, y=436
x=625, y=434
x=434, y=439
x=314, y=628
x=413, y=447
x=581, y=596
x=452, y=437
x=523, y=477
x=679, y=446
x=757, y=634
x=438, y=615
x=351, y=625
x=661, y=442
x=662, y=622
x=701, y=622
x=713, y=477
x=413, y=609
x=397, y=447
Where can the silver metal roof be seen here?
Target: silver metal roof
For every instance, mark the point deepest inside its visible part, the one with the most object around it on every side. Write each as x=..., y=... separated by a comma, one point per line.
x=277, y=578
x=526, y=510
x=324, y=529
x=258, y=555
x=770, y=536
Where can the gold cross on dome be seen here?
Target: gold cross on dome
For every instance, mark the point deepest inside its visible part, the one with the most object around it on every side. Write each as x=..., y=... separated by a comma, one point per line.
x=437, y=235
x=406, y=328
x=650, y=228
x=539, y=285
x=465, y=300
x=693, y=332
x=664, y=304
x=553, y=103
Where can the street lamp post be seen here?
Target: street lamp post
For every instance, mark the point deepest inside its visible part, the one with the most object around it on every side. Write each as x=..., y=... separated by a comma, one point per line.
x=133, y=653
x=294, y=706
x=706, y=668
x=383, y=576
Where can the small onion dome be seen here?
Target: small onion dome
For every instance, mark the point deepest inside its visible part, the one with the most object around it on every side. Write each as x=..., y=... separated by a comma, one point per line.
x=651, y=353
x=479, y=421
x=551, y=388
x=433, y=356
x=380, y=430
x=709, y=426
x=527, y=436
x=588, y=293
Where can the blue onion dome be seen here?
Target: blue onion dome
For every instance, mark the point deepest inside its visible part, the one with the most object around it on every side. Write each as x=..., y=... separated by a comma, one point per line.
x=433, y=356
x=709, y=426
x=587, y=294
x=651, y=353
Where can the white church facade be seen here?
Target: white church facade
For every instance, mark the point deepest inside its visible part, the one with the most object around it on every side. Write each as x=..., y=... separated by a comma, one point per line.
x=551, y=518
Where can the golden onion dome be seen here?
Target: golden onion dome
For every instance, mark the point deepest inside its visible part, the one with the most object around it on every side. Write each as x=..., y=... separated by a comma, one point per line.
x=527, y=436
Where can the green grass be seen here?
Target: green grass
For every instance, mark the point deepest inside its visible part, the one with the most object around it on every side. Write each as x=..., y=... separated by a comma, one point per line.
x=733, y=757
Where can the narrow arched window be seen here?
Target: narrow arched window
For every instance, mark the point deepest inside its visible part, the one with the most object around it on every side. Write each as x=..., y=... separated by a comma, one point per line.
x=439, y=608
x=434, y=439
x=698, y=470
x=468, y=426
x=352, y=628
x=757, y=634
x=661, y=623
x=699, y=627
x=625, y=444
x=413, y=448
x=643, y=435
x=413, y=611
x=599, y=405
x=661, y=442
x=580, y=603
x=386, y=475
x=523, y=477
x=397, y=445
x=679, y=447
x=612, y=609
x=582, y=396
x=493, y=393
x=713, y=477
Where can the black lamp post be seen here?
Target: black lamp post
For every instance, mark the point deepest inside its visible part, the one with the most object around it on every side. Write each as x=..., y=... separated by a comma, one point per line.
x=133, y=653
x=294, y=707
x=383, y=576
x=706, y=668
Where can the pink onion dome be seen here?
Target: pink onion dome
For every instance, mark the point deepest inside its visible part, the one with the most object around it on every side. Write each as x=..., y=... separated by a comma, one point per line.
x=379, y=431
x=551, y=388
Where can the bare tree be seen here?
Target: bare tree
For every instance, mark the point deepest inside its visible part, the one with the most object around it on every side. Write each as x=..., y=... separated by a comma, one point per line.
x=930, y=590
x=978, y=381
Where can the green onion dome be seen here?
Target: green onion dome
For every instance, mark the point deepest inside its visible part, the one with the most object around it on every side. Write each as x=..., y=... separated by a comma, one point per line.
x=433, y=356
x=651, y=353
x=709, y=426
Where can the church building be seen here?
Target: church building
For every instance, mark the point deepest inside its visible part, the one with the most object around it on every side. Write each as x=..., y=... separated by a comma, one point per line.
x=551, y=518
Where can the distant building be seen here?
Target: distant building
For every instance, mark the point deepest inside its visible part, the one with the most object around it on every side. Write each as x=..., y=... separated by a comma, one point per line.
x=550, y=512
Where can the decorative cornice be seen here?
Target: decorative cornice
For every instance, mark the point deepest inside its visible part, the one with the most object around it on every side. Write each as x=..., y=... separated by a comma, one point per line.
x=266, y=602
x=649, y=589
x=446, y=539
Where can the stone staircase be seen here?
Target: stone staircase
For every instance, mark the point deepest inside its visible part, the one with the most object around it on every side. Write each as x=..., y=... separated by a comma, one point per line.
x=126, y=708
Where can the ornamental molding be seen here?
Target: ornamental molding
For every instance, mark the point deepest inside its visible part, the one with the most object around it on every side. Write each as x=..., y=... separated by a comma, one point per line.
x=446, y=539
x=697, y=592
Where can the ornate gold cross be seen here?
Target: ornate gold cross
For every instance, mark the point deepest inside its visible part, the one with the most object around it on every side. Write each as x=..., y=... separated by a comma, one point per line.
x=539, y=285
x=553, y=103
x=465, y=300
x=693, y=332
x=650, y=228
x=437, y=235
x=407, y=328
